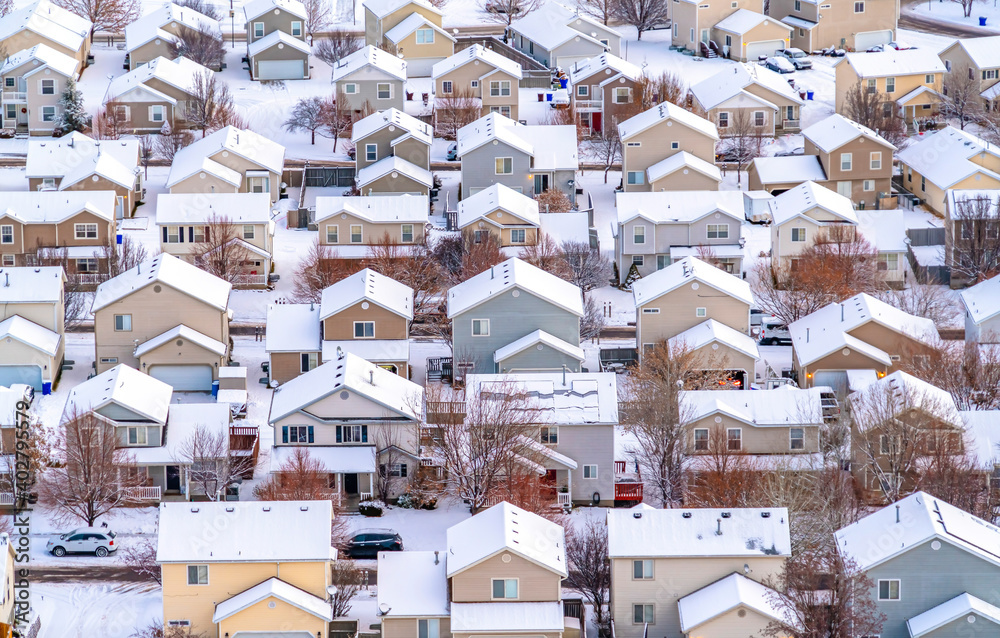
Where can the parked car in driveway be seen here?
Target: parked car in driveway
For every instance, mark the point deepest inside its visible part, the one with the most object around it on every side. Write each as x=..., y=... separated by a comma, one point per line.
x=452, y=152
x=797, y=57
x=780, y=64
x=99, y=541
x=799, y=150
x=369, y=542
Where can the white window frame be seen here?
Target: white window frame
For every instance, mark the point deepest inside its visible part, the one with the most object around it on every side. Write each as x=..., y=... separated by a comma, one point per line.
x=650, y=606
x=503, y=166
x=371, y=152
x=45, y=84
x=7, y=234
x=638, y=260
x=792, y=439
x=723, y=119
x=480, y=324
x=249, y=232
x=721, y=231
x=590, y=471
x=846, y=160
x=350, y=88
x=336, y=234
x=378, y=90
x=364, y=329
x=139, y=432
x=622, y=92
x=868, y=185
x=730, y=440
x=890, y=85
x=548, y=435
x=800, y=232
x=297, y=28
x=875, y=160
x=701, y=444
x=422, y=36
x=640, y=565
x=636, y=178
x=583, y=90
x=157, y=113
x=447, y=86
x=701, y=312
x=500, y=88
x=859, y=6
x=125, y=323
x=8, y=261
x=639, y=235
x=403, y=233
x=506, y=590
x=360, y=234
x=761, y=117
x=889, y=582
x=518, y=235
x=258, y=29
x=198, y=575
x=47, y=113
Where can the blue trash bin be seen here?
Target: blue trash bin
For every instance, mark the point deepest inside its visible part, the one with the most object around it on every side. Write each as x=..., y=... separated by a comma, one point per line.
x=47, y=387
x=982, y=21
x=548, y=97
x=215, y=389
x=563, y=83
x=809, y=95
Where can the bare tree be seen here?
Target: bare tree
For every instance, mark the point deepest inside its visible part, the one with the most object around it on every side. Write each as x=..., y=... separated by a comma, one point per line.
x=140, y=557
x=345, y=576
x=961, y=95
x=553, y=200
x=641, y=14
x=592, y=321
x=319, y=269
x=169, y=142
x=122, y=257
x=111, y=121
x=222, y=250
x=866, y=106
x=452, y=112
x=202, y=46
x=743, y=140
x=607, y=147
x=463, y=257
x=319, y=14
x=951, y=472
x=974, y=224
x=211, y=103
x=545, y=254
x=930, y=300
x=393, y=471
x=603, y=10
x=213, y=468
x=205, y=8
x=6, y=6
x=111, y=16
x=590, y=568
x=666, y=87
x=309, y=116
x=588, y=268
x=970, y=373
x=966, y=6
x=725, y=475
x=301, y=477
x=507, y=11
x=338, y=121
x=411, y=264
x=337, y=44
x=146, y=149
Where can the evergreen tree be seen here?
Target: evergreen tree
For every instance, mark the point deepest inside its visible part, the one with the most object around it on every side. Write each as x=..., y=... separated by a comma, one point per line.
x=633, y=275
x=73, y=116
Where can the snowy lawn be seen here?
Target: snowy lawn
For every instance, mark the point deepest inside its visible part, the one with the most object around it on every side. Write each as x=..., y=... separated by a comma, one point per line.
x=952, y=12
x=87, y=610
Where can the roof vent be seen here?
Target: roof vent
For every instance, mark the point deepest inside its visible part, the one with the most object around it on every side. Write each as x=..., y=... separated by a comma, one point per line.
x=636, y=514
x=267, y=508
x=726, y=515
x=765, y=514
x=686, y=515
x=304, y=508
x=194, y=510
x=230, y=509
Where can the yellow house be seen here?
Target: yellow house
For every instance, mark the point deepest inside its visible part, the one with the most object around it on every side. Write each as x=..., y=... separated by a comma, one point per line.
x=855, y=26
x=911, y=80
x=241, y=568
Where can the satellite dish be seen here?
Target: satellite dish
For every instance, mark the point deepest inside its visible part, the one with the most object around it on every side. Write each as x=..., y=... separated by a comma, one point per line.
x=273, y=384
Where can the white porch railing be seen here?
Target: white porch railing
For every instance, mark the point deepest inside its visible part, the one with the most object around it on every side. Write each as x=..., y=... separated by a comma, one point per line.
x=588, y=105
x=151, y=493
x=6, y=498
x=563, y=499
x=90, y=278
x=365, y=496
x=15, y=96
x=250, y=280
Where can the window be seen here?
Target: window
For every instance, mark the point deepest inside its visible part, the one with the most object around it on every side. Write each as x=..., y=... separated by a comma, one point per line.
x=428, y=628
x=868, y=185
x=355, y=233
x=798, y=5
x=700, y=312
x=504, y=166
x=590, y=471
x=888, y=589
x=923, y=183
x=309, y=361
x=248, y=231
x=890, y=85
x=846, y=161
x=888, y=261
x=258, y=183
x=642, y=569
x=718, y=231
x=297, y=28
x=371, y=152
x=383, y=91
x=7, y=260
x=729, y=40
x=393, y=469
x=10, y=82
x=549, y=434
x=48, y=87
x=480, y=327
x=505, y=588
x=258, y=29
x=633, y=144
x=517, y=235
x=332, y=234
x=446, y=87
x=197, y=574
x=623, y=95
x=876, y=161
x=642, y=614
x=297, y=434
x=675, y=145
x=48, y=114
x=859, y=7
x=872, y=85
x=474, y=84
x=123, y=323
x=662, y=261
x=635, y=178
x=502, y=110
x=479, y=236
x=701, y=439
x=364, y=329
x=734, y=439
x=796, y=439
x=500, y=88
x=178, y=623
x=638, y=260
x=85, y=264
x=650, y=311
x=888, y=444
x=582, y=90
x=425, y=36
x=692, y=35
x=352, y=434
x=723, y=119
x=157, y=113
x=798, y=234
x=929, y=79
x=6, y=234
x=406, y=233
x=758, y=118
x=638, y=234
x=11, y=111
x=137, y=435
x=966, y=229
x=350, y=89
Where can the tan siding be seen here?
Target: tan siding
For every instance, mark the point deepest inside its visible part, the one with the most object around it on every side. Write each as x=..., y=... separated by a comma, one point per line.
x=283, y=617
x=371, y=233
x=285, y=366
x=656, y=142
x=535, y=583
x=388, y=325
x=677, y=313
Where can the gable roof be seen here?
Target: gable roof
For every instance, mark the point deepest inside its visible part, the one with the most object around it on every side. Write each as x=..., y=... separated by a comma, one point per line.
x=48, y=20
x=654, y=533
x=30, y=334
x=396, y=165
x=125, y=386
x=945, y=157
x=608, y=62
x=251, y=146
x=414, y=583
x=510, y=274
x=689, y=269
x=685, y=207
x=150, y=26
x=894, y=63
x=407, y=124
x=552, y=146
x=256, y=8
x=743, y=20
x=43, y=284
x=292, y=327
x=982, y=301
x=367, y=285
x=379, y=210
x=784, y=170
x=181, y=332
x=245, y=532
x=498, y=197
x=722, y=86
x=476, y=53
x=712, y=331
x=899, y=392
x=832, y=132
x=194, y=208
x=411, y=23
x=726, y=594
x=53, y=207
x=351, y=373
x=886, y=230
x=382, y=8
x=180, y=74
x=44, y=56
x=984, y=51
x=573, y=398
x=76, y=157
x=273, y=588
x=538, y=338
x=806, y=196
x=912, y=521
x=505, y=527
x=189, y=165
x=369, y=56
x=170, y=271
x=951, y=610
x=553, y=24
x=662, y=112
x=781, y=407
x=277, y=38
x=679, y=161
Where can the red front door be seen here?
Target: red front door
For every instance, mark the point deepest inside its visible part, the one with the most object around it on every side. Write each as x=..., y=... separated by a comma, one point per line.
x=595, y=121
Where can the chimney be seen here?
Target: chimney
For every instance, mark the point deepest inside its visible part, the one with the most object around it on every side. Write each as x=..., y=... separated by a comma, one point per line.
x=718, y=527
x=491, y=272
x=564, y=374
x=897, y=513
x=311, y=306
x=71, y=138
x=371, y=377
x=436, y=559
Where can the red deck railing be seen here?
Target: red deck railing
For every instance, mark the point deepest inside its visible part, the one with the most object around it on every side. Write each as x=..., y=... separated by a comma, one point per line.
x=628, y=491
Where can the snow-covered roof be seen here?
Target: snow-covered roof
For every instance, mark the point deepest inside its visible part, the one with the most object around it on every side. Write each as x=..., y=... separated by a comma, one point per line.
x=712, y=331
x=43, y=56
x=917, y=92
x=408, y=126
x=188, y=166
x=506, y=527
x=944, y=157
x=170, y=271
x=183, y=421
x=885, y=229
x=680, y=207
x=497, y=197
x=76, y=157
x=583, y=69
x=367, y=285
x=53, y=207
x=571, y=398
x=554, y=24
x=411, y=23
x=396, y=165
x=374, y=350
x=507, y=617
x=413, y=584
x=149, y=26
x=798, y=201
x=782, y=170
x=477, y=53
x=913, y=521
x=679, y=161
x=984, y=52
x=687, y=270
x=817, y=335
x=538, y=337
x=349, y=459
x=981, y=301
x=722, y=86
x=30, y=334
x=898, y=393
x=245, y=532
x=185, y=333
x=509, y=274
x=180, y=74
x=382, y=60
x=28, y=285
x=406, y=208
x=834, y=131
x=382, y=8
x=195, y=208
x=743, y=20
x=256, y=8
x=48, y=20
x=125, y=386
x=780, y=407
x=801, y=23
x=725, y=595
x=253, y=147
x=292, y=328
x=350, y=373
x=894, y=63
x=273, y=588
x=662, y=112
x=982, y=435
x=277, y=38
x=569, y=226
x=552, y=146
x=654, y=533
x=949, y=611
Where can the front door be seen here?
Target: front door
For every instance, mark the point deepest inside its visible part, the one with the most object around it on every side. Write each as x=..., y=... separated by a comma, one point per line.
x=173, y=478
x=541, y=184
x=595, y=121
x=350, y=484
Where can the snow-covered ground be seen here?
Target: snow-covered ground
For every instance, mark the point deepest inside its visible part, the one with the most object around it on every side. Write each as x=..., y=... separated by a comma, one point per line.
x=952, y=12
x=87, y=610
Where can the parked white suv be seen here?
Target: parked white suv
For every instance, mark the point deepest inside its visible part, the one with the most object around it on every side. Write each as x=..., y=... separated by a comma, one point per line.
x=773, y=331
x=86, y=540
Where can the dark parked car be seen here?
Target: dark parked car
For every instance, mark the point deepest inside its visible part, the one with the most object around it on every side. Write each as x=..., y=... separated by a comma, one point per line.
x=780, y=64
x=369, y=542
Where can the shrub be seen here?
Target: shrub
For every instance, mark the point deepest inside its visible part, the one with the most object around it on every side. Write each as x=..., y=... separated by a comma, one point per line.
x=371, y=508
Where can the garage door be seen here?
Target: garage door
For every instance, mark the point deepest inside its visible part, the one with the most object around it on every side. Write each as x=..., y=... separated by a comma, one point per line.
x=184, y=378
x=280, y=70
x=865, y=41
x=766, y=47
x=836, y=379
x=28, y=375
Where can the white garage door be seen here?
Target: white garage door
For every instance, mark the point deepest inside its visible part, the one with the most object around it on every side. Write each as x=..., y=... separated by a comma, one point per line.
x=865, y=41
x=765, y=47
x=28, y=375
x=184, y=378
x=280, y=70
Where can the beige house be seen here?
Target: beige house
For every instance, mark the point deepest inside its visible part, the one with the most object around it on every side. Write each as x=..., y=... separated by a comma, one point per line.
x=352, y=224
x=982, y=311
x=393, y=154
x=979, y=58
x=854, y=26
x=32, y=326
x=486, y=582
x=33, y=82
x=480, y=74
x=166, y=318
x=750, y=93
x=276, y=40
x=369, y=80
x=508, y=216
x=604, y=91
x=79, y=163
x=857, y=161
x=668, y=148
x=737, y=30
x=805, y=215
x=716, y=347
x=45, y=22
x=560, y=35
x=157, y=33
x=186, y=223
x=156, y=93
x=266, y=567
x=410, y=29
x=354, y=416
x=229, y=160
x=911, y=80
x=695, y=571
